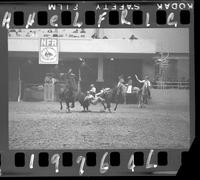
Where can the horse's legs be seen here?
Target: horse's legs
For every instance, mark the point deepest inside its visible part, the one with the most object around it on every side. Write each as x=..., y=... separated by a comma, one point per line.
x=147, y=100
x=124, y=98
x=61, y=107
x=103, y=105
x=83, y=108
x=68, y=107
x=140, y=101
x=108, y=106
x=116, y=102
x=115, y=106
x=143, y=101
x=73, y=101
x=139, y=104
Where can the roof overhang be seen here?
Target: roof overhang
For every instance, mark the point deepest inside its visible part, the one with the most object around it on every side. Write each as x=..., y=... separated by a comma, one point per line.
x=119, y=46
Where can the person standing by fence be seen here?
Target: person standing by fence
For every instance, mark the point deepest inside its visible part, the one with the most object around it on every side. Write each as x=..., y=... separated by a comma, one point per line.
x=49, y=88
x=71, y=83
x=121, y=85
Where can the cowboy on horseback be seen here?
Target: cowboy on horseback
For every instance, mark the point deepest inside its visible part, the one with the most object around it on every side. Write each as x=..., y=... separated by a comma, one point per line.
x=71, y=84
x=146, y=83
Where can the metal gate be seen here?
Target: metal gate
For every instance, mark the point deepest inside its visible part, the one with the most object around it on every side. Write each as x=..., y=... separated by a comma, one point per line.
x=49, y=92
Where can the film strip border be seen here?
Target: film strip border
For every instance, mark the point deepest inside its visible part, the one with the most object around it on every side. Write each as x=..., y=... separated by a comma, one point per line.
x=91, y=162
x=70, y=163
x=101, y=15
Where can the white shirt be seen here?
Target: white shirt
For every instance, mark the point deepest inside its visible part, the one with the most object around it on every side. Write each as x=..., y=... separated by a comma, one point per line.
x=53, y=80
x=93, y=89
x=146, y=83
x=129, y=89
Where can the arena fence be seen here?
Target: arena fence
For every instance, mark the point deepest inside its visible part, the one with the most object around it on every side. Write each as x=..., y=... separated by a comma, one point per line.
x=49, y=92
x=171, y=85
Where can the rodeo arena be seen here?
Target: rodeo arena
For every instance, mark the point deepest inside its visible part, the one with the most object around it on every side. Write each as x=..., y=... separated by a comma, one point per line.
x=99, y=88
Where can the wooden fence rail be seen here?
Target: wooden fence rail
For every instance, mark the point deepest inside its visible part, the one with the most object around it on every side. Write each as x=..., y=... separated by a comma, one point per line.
x=171, y=85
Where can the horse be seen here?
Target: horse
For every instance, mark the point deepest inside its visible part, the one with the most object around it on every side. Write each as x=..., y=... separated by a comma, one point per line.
x=142, y=95
x=68, y=94
x=120, y=92
x=84, y=103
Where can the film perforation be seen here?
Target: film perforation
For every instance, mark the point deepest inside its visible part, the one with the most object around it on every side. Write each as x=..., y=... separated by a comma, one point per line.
x=19, y=159
x=66, y=17
x=113, y=17
x=90, y=18
x=67, y=159
x=137, y=17
x=115, y=159
x=185, y=17
x=42, y=18
x=162, y=158
x=18, y=18
x=161, y=17
x=139, y=158
x=43, y=159
x=91, y=159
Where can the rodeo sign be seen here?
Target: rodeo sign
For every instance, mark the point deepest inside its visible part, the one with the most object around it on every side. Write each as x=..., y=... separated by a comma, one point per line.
x=48, y=53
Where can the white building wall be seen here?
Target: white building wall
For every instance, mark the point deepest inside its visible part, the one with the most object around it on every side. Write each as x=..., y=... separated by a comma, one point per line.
x=174, y=40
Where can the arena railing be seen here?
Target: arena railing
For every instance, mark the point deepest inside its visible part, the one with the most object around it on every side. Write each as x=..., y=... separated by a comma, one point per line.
x=171, y=85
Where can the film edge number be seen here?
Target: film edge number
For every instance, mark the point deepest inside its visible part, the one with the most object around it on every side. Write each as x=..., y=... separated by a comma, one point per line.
x=104, y=165
x=168, y=19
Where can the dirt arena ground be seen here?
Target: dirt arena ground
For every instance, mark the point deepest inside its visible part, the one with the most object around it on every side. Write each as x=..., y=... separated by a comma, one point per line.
x=164, y=123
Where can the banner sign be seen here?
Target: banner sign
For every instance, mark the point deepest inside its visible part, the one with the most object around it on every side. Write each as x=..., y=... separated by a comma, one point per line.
x=48, y=52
